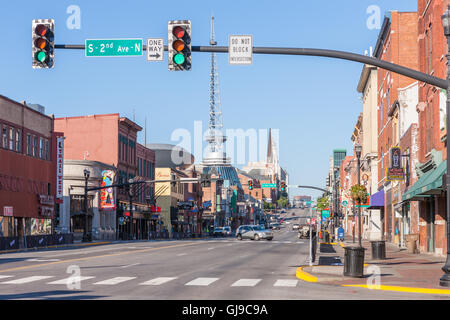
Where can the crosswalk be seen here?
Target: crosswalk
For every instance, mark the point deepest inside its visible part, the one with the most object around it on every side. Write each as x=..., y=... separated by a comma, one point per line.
x=158, y=281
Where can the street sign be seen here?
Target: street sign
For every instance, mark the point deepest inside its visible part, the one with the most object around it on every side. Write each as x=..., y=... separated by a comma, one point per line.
x=268, y=185
x=240, y=49
x=155, y=49
x=345, y=203
x=113, y=47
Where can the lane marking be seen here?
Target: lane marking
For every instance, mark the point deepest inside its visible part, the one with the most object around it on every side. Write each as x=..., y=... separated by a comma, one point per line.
x=42, y=260
x=246, y=283
x=2, y=277
x=115, y=280
x=181, y=254
x=211, y=248
x=157, y=281
x=130, y=265
x=285, y=283
x=101, y=256
x=71, y=280
x=201, y=282
x=26, y=280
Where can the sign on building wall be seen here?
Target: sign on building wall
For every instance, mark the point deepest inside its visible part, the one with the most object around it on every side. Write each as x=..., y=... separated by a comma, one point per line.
x=395, y=171
x=59, y=167
x=107, y=195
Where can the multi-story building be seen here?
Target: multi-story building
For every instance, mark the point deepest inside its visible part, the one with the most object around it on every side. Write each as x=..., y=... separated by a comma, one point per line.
x=109, y=139
x=30, y=187
x=397, y=43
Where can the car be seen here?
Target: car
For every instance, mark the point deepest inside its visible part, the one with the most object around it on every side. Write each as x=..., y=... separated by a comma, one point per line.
x=283, y=211
x=227, y=231
x=275, y=226
x=218, y=232
x=253, y=232
x=295, y=226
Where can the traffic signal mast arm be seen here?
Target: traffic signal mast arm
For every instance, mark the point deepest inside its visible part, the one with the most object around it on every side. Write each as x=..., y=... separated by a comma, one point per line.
x=414, y=74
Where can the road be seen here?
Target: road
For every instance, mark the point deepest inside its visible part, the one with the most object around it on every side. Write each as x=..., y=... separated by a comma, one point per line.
x=219, y=269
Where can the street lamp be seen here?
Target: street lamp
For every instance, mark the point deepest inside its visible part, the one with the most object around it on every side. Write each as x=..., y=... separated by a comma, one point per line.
x=358, y=149
x=86, y=234
x=445, y=279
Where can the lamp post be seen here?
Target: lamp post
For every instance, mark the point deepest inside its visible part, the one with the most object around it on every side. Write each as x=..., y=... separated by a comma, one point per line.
x=358, y=149
x=445, y=279
x=86, y=234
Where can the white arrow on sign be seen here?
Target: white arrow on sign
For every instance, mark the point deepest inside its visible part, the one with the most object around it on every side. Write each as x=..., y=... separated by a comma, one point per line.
x=155, y=49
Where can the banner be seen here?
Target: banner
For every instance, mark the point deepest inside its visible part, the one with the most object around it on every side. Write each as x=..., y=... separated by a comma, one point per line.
x=395, y=171
x=107, y=201
x=59, y=167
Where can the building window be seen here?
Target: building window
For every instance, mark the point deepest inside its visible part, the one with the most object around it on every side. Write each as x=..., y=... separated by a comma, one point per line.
x=19, y=140
x=12, y=138
x=35, y=146
x=381, y=115
x=41, y=147
x=29, y=145
x=429, y=50
x=47, y=149
x=5, y=136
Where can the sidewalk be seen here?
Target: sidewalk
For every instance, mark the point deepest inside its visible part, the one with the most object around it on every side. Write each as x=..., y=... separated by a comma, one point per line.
x=400, y=271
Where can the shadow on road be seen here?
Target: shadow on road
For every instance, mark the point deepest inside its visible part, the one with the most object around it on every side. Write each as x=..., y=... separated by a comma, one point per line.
x=47, y=295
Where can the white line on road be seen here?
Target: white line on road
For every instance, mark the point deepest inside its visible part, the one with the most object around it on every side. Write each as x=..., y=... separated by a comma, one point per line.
x=27, y=280
x=246, y=283
x=201, y=282
x=42, y=260
x=181, y=254
x=2, y=277
x=158, y=281
x=285, y=283
x=115, y=280
x=130, y=265
x=70, y=280
x=211, y=248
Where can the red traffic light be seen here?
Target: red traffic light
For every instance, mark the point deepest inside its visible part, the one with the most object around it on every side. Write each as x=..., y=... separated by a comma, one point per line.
x=179, y=32
x=41, y=30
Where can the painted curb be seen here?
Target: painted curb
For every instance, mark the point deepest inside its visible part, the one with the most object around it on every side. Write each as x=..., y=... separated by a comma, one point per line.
x=305, y=276
x=400, y=289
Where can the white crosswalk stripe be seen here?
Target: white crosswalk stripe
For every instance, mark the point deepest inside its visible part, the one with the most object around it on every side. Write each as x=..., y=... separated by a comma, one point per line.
x=115, y=280
x=285, y=283
x=3, y=277
x=246, y=283
x=70, y=280
x=27, y=280
x=201, y=282
x=158, y=281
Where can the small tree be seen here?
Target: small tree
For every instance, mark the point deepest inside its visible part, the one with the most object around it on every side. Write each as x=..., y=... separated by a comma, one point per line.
x=359, y=193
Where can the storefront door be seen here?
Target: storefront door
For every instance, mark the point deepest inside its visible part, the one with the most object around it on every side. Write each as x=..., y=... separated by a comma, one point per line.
x=430, y=224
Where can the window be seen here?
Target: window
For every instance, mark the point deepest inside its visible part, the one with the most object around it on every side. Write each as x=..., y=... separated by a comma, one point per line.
x=47, y=149
x=29, y=145
x=5, y=136
x=12, y=138
x=19, y=140
x=41, y=147
x=389, y=97
x=429, y=134
x=381, y=114
x=35, y=145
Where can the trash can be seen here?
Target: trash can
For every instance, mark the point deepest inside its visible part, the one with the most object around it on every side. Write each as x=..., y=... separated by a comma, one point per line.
x=354, y=262
x=411, y=242
x=378, y=250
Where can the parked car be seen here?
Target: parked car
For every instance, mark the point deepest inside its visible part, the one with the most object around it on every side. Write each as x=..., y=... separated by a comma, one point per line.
x=253, y=232
x=227, y=231
x=295, y=226
x=218, y=232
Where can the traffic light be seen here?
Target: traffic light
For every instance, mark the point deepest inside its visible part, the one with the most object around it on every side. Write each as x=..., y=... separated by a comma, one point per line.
x=179, y=45
x=173, y=179
x=250, y=184
x=283, y=186
x=43, y=46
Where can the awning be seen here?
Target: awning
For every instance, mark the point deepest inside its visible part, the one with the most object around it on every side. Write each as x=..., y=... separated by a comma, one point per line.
x=429, y=183
x=377, y=200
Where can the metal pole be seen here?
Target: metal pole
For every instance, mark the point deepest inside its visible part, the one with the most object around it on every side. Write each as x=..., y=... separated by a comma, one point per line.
x=310, y=236
x=85, y=235
x=359, y=205
x=445, y=279
x=130, y=194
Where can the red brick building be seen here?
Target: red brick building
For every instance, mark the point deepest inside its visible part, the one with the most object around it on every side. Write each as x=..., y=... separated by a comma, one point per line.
x=397, y=43
x=28, y=171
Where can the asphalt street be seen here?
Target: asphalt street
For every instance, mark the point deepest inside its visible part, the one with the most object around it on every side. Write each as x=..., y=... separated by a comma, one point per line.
x=219, y=269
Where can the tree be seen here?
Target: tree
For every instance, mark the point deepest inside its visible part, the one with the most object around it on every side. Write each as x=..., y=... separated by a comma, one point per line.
x=323, y=203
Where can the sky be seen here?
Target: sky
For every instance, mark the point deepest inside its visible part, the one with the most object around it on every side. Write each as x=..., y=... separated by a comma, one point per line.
x=311, y=101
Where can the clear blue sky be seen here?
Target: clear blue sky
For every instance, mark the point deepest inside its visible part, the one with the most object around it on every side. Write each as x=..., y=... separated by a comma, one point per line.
x=312, y=101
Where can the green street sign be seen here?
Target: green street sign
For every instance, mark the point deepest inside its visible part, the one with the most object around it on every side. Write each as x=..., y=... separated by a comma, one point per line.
x=113, y=47
x=268, y=185
x=345, y=203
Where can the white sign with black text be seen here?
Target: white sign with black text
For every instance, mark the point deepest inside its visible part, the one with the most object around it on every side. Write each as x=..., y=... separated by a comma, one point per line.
x=240, y=49
x=155, y=49
x=59, y=167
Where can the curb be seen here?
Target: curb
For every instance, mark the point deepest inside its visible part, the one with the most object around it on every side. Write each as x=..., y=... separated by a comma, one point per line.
x=305, y=276
x=400, y=289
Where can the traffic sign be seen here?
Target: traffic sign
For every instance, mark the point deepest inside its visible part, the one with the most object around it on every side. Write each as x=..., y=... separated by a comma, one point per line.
x=113, y=47
x=155, y=49
x=268, y=185
x=345, y=203
x=240, y=49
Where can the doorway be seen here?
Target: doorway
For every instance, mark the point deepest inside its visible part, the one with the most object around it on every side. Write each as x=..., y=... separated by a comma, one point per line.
x=430, y=224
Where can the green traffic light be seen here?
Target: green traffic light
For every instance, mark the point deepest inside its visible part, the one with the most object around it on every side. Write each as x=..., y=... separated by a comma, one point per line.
x=41, y=56
x=179, y=58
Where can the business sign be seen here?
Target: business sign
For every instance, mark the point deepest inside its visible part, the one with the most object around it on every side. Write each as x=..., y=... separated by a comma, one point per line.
x=395, y=171
x=155, y=49
x=59, y=167
x=240, y=49
x=8, y=211
x=325, y=215
x=107, y=201
x=113, y=47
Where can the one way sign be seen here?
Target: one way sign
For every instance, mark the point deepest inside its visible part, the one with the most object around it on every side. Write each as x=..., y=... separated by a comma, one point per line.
x=155, y=49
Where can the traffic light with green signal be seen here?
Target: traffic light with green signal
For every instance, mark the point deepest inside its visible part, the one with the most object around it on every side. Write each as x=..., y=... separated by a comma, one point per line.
x=43, y=45
x=283, y=186
x=250, y=184
x=179, y=45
